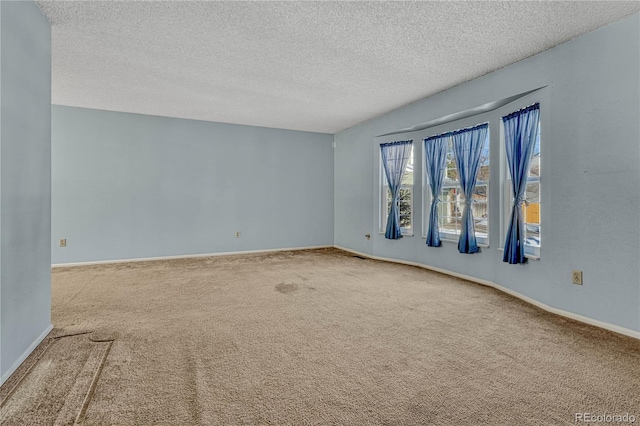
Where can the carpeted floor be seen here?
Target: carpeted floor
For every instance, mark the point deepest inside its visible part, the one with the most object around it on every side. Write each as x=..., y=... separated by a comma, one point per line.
x=318, y=337
x=56, y=385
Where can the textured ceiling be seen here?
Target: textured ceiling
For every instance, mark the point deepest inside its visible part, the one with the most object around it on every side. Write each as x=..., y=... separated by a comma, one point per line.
x=314, y=66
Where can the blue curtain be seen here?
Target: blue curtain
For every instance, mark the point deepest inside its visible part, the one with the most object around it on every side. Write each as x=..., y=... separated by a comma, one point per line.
x=521, y=131
x=468, y=145
x=395, y=156
x=435, y=149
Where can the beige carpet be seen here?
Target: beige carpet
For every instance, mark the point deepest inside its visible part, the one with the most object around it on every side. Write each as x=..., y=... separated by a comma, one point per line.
x=322, y=337
x=55, y=385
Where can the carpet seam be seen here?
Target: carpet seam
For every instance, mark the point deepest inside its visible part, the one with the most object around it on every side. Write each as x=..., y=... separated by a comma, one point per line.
x=72, y=334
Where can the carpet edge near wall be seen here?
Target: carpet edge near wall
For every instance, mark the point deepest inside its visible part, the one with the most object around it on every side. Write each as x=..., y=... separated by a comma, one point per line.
x=561, y=312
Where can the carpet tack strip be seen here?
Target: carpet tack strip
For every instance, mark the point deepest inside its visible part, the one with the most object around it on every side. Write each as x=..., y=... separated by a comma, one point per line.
x=49, y=340
x=69, y=390
x=83, y=411
x=76, y=396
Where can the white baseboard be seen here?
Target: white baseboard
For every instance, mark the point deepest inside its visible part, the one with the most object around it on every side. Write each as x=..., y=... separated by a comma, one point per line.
x=25, y=354
x=571, y=315
x=186, y=256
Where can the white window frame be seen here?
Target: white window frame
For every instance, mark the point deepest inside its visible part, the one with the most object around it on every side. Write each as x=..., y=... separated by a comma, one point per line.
x=540, y=97
x=383, y=200
x=426, y=189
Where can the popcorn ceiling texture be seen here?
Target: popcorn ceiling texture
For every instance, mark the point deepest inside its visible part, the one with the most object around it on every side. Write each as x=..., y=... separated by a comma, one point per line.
x=314, y=66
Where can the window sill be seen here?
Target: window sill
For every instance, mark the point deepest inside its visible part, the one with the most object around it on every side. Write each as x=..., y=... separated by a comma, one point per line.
x=447, y=240
x=403, y=234
x=528, y=256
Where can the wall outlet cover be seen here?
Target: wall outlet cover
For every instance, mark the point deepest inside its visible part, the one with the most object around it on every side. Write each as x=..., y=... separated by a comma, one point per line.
x=576, y=277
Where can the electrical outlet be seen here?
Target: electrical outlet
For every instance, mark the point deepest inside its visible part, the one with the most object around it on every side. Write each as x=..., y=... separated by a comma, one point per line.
x=237, y=234
x=576, y=277
x=63, y=242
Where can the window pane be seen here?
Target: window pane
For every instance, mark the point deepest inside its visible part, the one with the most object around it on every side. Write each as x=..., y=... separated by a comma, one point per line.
x=531, y=210
x=534, y=169
x=407, y=178
x=405, y=195
x=479, y=211
x=450, y=209
x=533, y=235
x=442, y=210
x=480, y=192
x=452, y=172
x=482, y=228
x=480, y=200
x=483, y=172
x=481, y=196
x=533, y=192
x=450, y=225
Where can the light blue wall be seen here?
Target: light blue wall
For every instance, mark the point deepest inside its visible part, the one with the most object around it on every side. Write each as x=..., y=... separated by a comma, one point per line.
x=135, y=186
x=25, y=181
x=591, y=177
